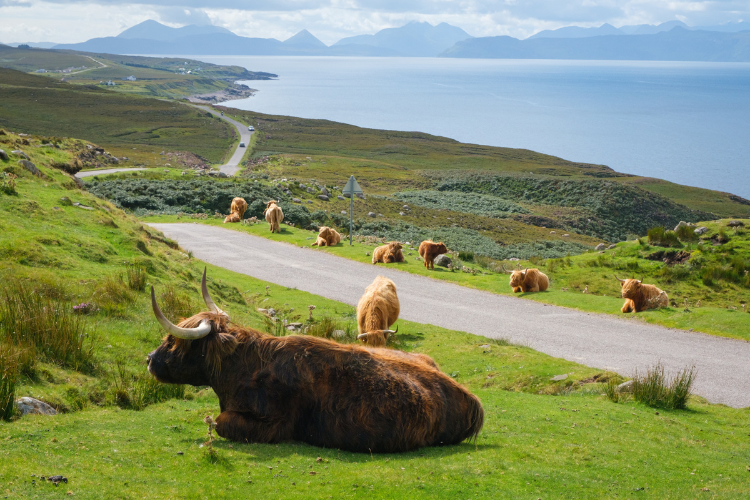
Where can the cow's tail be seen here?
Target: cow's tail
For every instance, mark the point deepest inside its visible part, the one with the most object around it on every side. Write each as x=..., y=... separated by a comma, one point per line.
x=476, y=418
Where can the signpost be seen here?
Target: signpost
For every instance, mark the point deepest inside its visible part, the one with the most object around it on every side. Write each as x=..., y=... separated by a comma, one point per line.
x=351, y=188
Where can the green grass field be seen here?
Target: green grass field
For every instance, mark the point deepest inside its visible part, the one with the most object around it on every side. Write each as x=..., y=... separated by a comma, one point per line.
x=132, y=126
x=541, y=439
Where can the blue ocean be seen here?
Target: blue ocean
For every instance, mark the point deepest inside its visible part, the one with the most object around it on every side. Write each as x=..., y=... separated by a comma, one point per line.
x=684, y=122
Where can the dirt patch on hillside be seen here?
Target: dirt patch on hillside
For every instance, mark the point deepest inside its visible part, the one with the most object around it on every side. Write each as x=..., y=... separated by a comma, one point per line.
x=670, y=257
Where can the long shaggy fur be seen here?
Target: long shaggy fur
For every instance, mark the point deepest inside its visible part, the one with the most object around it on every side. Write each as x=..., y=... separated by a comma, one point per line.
x=327, y=236
x=639, y=297
x=377, y=310
x=274, y=216
x=309, y=389
x=237, y=210
x=531, y=280
x=388, y=253
x=428, y=250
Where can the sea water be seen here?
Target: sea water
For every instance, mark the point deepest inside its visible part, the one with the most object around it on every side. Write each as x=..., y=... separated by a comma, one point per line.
x=686, y=122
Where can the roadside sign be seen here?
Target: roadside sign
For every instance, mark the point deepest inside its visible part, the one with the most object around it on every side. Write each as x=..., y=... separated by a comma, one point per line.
x=351, y=188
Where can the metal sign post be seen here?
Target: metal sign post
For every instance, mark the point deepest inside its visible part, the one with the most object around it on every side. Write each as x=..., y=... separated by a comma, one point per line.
x=351, y=188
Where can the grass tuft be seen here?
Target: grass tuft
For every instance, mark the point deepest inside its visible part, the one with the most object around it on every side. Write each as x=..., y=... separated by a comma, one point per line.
x=9, y=370
x=654, y=388
x=136, y=277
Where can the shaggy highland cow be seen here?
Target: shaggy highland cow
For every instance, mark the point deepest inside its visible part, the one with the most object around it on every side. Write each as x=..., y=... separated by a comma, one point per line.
x=377, y=310
x=428, y=250
x=309, y=389
x=639, y=297
x=236, y=210
x=327, y=237
x=388, y=253
x=529, y=280
x=274, y=216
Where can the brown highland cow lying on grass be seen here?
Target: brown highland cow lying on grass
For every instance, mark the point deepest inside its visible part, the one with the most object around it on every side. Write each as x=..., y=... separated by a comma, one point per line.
x=639, y=297
x=309, y=389
x=388, y=253
x=236, y=211
x=529, y=280
x=428, y=250
x=377, y=310
x=274, y=216
x=327, y=237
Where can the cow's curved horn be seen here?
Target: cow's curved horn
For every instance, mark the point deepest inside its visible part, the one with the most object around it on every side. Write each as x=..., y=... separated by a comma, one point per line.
x=640, y=281
x=207, y=298
x=524, y=271
x=618, y=279
x=392, y=331
x=183, y=333
x=362, y=336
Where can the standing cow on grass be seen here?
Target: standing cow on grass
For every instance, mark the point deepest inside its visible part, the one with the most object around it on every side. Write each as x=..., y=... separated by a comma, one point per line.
x=529, y=280
x=327, y=237
x=639, y=297
x=428, y=250
x=309, y=389
x=236, y=211
x=388, y=253
x=377, y=310
x=274, y=216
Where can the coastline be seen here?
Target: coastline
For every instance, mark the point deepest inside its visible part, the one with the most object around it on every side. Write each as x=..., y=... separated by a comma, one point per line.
x=232, y=92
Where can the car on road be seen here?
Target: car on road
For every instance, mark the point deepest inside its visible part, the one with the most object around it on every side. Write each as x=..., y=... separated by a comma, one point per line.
x=251, y=128
x=242, y=144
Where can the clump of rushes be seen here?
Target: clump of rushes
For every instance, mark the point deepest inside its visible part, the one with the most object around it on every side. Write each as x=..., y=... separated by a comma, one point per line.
x=9, y=369
x=136, y=277
x=654, y=388
x=610, y=389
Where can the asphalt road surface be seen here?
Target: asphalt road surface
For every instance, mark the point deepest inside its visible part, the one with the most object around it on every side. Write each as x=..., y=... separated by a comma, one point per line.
x=233, y=165
x=602, y=341
x=89, y=173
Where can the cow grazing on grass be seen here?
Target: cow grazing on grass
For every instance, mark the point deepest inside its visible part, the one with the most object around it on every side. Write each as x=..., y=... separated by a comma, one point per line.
x=428, y=250
x=327, y=237
x=529, y=280
x=639, y=297
x=309, y=389
x=274, y=216
x=388, y=253
x=377, y=310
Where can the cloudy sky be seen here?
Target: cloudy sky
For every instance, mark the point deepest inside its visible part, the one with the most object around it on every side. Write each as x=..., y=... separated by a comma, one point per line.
x=330, y=20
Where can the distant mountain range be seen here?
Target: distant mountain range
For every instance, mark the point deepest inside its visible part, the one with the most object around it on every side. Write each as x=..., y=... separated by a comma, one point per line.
x=637, y=29
x=678, y=44
x=151, y=37
x=672, y=40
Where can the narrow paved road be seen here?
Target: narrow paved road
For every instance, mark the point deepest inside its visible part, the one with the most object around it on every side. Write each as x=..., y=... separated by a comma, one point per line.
x=601, y=341
x=90, y=173
x=233, y=165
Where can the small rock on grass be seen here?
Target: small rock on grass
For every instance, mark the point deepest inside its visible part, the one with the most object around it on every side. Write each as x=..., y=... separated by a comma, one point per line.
x=625, y=386
x=558, y=378
x=31, y=406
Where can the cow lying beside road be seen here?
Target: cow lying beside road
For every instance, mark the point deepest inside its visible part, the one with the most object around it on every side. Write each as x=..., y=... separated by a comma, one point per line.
x=236, y=211
x=529, y=280
x=274, y=216
x=428, y=250
x=639, y=297
x=388, y=253
x=327, y=237
x=377, y=310
x=309, y=389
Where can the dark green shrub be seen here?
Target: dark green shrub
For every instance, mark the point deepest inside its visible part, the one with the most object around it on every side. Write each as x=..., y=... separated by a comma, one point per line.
x=478, y=204
x=466, y=256
x=9, y=370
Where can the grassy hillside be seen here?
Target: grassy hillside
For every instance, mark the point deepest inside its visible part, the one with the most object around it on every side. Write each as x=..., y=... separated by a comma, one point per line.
x=136, y=127
x=122, y=434
x=387, y=161
x=155, y=76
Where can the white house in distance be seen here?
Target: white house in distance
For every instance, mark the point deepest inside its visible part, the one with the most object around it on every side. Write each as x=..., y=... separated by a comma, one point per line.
x=130, y=78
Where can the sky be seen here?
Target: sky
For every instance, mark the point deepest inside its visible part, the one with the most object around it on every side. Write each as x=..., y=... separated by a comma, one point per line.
x=66, y=21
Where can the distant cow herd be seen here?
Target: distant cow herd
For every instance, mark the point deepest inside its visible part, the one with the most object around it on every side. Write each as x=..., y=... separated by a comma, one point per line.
x=363, y=398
